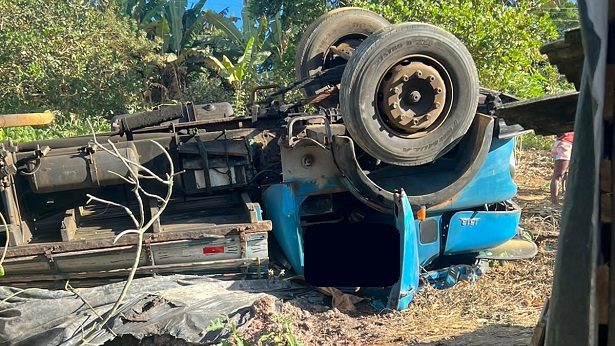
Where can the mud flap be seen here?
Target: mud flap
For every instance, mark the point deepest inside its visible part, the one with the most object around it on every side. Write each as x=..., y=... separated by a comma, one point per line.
x=404, y=290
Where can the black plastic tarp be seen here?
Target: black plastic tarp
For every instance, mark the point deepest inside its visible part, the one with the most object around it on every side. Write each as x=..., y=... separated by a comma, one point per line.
x=179, y=306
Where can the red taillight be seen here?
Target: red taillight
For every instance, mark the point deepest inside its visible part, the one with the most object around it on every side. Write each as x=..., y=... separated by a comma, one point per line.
x=208, y=250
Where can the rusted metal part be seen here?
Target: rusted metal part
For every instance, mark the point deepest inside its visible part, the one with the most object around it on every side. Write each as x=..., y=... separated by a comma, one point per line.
x=331, y=76
x=413, y=96
x=323, y=95
x=443, y=205
x=149, y=255
x=255, y=91
x=26, y=119
x=42, y=280
x=48, y=254
x=131, y=239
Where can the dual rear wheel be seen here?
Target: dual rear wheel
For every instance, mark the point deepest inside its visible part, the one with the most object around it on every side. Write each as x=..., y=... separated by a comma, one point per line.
x=409, y=91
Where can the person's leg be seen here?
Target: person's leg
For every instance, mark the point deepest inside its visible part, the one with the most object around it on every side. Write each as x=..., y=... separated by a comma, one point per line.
x=559, y=170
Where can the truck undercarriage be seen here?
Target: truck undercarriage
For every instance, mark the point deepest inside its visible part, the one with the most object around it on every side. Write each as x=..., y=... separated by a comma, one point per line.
x=402, y=169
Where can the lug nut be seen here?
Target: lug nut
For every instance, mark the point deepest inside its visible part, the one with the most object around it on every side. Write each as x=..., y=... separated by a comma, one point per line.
x=415, y=121
x=438, y=90
x=431, y=78
x=394, y=105
x=418, y=73
x=405, y=78
x=396, y=90
x=415, y=96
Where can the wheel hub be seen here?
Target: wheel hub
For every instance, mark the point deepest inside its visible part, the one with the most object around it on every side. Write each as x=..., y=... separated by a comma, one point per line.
x=412, y=96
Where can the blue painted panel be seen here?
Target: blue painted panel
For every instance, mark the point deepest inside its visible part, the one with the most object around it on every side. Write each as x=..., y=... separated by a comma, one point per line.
x=472, y=231
x=282, y=207
x=493, y=182
x=404, y=290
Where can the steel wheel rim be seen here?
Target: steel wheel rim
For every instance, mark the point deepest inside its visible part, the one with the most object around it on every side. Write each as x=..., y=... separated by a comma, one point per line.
x=414, y=96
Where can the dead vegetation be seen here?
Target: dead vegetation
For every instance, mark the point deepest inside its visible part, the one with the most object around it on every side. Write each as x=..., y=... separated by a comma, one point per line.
x=500, y=308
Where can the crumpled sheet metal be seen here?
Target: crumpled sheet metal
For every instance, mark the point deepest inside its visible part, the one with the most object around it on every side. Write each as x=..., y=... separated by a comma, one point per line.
x=181, y=306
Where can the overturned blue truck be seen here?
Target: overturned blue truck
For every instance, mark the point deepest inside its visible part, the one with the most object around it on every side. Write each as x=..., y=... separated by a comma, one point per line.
x=390, y=170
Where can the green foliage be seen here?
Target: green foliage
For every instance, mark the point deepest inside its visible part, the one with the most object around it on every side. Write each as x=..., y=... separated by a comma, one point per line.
x=171, y=21
x=241, y=74
x=144, y=12
x=177, y=26
x=206, y=87
x=64, y=125
x=235, y=339
x=533, y=141
x=215, y=326
x=279, y=333
x=282, y=335
x=72, y=57
x=564, y=14
x=287, y=20
x=225, y=36
x=504, y=40
x=238, y=55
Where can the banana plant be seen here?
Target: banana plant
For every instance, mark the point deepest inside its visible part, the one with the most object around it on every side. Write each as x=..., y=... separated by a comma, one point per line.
x=144, y=12
x=172, y=21
x=227, y=39
x=239, y=75
x=278, y=36
x=183, y=24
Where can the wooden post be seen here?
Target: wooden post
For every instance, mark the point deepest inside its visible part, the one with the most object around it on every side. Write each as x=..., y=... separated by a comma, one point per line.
x=69, y=225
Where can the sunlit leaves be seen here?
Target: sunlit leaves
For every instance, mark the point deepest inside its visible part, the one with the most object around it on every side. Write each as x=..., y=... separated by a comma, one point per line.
x=71, y=57
x=503, y=40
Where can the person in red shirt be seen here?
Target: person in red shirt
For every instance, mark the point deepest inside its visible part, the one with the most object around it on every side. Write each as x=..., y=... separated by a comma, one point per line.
x=561, y=151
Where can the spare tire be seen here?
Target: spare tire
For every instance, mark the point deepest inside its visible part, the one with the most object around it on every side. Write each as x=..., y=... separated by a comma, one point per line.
x=344, y=28
x=409, y=93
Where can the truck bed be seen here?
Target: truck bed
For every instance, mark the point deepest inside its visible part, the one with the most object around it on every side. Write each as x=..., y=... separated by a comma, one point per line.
x=212, y=235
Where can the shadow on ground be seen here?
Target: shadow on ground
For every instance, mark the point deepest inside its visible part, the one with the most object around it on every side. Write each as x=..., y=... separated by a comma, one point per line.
x=489, y=335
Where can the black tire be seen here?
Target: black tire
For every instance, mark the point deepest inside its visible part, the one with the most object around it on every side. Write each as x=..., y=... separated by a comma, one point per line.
x=333, y=26
x=373, y=59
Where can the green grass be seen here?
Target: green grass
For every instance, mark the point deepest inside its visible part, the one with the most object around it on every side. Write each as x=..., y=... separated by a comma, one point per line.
x=533, y=141
x=279, y=333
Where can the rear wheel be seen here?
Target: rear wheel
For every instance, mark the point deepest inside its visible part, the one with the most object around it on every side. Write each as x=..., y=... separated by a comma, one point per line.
x=331, y=37
x=409, y=93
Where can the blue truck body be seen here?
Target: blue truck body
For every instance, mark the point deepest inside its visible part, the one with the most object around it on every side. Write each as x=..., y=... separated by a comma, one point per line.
x=462, y=226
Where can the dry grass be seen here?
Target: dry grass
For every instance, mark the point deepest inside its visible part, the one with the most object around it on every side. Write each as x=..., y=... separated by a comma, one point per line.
x=500, y=308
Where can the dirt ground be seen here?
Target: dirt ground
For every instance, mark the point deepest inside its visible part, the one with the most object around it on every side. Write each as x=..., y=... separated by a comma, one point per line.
x=501, y=308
